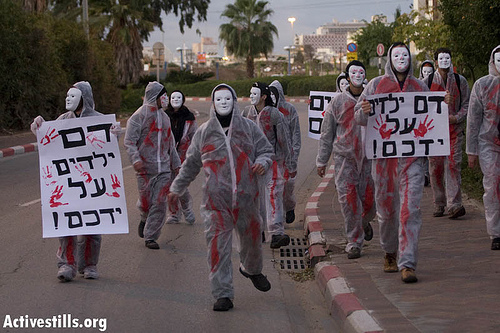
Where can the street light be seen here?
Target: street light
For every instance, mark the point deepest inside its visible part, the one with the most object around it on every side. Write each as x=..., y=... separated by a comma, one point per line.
x=180, y=49
x=289, y=49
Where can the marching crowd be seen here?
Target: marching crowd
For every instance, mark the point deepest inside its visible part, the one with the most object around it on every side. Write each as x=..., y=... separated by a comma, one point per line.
x=249, y=161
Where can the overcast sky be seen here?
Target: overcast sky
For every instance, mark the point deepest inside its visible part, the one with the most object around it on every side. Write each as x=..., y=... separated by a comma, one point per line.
x=309, y=16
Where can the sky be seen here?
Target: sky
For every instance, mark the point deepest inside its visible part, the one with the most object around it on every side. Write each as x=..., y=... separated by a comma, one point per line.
x=309, y=14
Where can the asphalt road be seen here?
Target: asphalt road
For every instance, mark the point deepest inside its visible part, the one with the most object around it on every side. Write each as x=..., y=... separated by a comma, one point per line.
x=141, y=290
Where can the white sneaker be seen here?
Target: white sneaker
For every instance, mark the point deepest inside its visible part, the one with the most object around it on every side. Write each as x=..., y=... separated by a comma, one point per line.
x=66, y=273
x=90, y=272
x=190, y=217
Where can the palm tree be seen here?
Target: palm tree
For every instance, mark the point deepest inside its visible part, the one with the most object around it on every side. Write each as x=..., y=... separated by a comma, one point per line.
x=248, y=34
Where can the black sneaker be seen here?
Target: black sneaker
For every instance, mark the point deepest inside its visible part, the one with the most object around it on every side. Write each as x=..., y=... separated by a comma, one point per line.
x=223, y=304
x=278, y=241
x=495, y=244
x=354, y=253
x=151, y=244
x=259, y=281
x=456, y=213
x=141, y=229
x=290, y=216
x=368, y=232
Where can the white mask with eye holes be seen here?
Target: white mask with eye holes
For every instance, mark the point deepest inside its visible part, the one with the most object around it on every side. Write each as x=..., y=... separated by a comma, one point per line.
x=73, y=98
x=273, y=97
x=496, y=61
x=164, y=101
x=426, y=71
x=254, y=96
x=176, y=100
x=444, y=60
x=343, y=84
x=357, y=75
x=400, y=59
x=223, y=102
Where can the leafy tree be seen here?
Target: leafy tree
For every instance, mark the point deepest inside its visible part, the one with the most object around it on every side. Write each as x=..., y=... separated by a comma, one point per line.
x=427, y=34
x=370, y=36
x=127, y=23
x=249, y=33
x=474, y=31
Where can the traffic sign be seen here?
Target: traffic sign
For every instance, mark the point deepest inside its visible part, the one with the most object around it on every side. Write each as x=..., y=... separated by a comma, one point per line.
x=380, y=49
x=352, y=47
x=352, y=56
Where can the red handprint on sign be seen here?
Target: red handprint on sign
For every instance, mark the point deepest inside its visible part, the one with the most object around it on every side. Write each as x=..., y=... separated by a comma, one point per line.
x=382, y=128
x=95, y=141
x=115, y=183
x=56, y=195
x=47, y=176
x=49, y=136
x=423, y=128
x=81, y=169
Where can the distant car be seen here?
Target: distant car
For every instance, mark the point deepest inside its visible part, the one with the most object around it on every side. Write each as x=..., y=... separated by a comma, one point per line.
x=267, y=69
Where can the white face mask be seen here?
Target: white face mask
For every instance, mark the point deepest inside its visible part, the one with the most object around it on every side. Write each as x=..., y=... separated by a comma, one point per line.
x=357, y=75
x=164, y=101
x=73, y=98
x=254, y=96
x=426, y=71
x=444, y=60
x=273, y=98
x=400, y=59
x=496, y=61
x=223, y=102
x=176, y=100
x=343, y=85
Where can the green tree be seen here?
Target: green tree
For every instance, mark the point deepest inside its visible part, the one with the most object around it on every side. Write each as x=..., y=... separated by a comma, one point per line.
x=370, y=36
x=474, y=32
x=125, y=24
x=249, y=34
x=427, y=34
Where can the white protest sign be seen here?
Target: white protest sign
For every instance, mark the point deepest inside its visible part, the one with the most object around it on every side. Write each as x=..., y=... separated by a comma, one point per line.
x=318, y=101
x=407, y=124
x=81, y=178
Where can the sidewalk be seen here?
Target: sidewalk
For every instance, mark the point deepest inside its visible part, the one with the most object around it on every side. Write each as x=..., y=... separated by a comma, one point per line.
x=459, y=276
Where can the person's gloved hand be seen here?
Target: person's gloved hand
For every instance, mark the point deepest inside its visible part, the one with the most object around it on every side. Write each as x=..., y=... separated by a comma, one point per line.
x=116, y=129
x=37, y=122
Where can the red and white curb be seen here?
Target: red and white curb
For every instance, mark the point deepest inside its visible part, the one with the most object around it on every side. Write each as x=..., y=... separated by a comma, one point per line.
x=244, y=99
x=16, y=150
x=343, y=304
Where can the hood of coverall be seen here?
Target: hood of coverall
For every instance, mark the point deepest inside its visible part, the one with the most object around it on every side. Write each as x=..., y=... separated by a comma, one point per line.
x=281, y=100
x=151, y=93
x=388, y=68
x=88, y=99
x=491, y=65
x=422, y=66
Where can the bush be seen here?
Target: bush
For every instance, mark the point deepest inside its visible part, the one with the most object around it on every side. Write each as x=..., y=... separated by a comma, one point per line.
x=41, y=58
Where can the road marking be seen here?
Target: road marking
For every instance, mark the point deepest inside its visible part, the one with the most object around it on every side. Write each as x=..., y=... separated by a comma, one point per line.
x=26, y=204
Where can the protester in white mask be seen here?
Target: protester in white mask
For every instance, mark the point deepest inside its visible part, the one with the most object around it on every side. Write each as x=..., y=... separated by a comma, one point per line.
x=151, y=148
x=272, y=123
x=183, y=124
x=445, y=171
x=483, y=141
x=426, y=69
x=342, y=137
x=78, y=253
x=233, y=153
x=342, y=82
x=398, y=181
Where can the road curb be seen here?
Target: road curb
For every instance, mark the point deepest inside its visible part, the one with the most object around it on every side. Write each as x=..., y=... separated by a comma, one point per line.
x=344, y=306
x=16, y=150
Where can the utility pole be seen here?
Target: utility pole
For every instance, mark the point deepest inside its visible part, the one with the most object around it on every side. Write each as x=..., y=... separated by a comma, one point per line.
x=85, y=17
